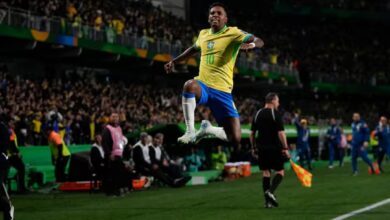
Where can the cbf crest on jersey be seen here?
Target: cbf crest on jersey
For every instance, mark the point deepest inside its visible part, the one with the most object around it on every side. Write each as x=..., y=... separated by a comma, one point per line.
x=210, y=45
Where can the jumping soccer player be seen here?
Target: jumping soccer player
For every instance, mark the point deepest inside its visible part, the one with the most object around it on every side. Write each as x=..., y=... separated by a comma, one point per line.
x=219, y=47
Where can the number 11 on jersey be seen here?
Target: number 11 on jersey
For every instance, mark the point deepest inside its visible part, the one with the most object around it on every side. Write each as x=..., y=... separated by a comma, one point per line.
x=210, y=58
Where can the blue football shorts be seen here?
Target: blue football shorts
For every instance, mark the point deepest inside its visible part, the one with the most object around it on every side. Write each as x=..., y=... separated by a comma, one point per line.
x=221, y=103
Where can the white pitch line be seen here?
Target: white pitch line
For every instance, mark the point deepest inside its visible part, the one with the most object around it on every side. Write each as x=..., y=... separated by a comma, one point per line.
x=373, y=206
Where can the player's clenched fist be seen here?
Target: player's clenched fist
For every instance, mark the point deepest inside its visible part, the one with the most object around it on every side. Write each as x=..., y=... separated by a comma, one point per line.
x=168, y=67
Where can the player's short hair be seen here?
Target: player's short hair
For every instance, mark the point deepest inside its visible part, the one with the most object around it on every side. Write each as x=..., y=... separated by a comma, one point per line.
x=215, y=4
x=270, y=97
x=143, y=135
x=159, y=135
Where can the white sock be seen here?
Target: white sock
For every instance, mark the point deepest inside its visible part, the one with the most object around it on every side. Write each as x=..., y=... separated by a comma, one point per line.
x=189, y=105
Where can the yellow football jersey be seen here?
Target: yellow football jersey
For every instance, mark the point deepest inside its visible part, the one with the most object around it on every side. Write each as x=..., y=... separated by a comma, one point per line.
x=218, y=56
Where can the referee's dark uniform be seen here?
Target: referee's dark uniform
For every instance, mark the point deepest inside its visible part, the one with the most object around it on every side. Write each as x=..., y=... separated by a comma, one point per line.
x=268, y=123
x=271, y=146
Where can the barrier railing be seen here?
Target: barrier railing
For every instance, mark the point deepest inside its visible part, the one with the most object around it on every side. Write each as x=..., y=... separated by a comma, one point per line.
x=56, y=25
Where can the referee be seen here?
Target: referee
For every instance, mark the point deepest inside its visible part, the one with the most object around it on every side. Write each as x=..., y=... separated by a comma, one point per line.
x=271, y=145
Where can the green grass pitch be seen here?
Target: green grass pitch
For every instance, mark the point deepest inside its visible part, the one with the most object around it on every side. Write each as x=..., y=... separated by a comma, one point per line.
x=334, y=192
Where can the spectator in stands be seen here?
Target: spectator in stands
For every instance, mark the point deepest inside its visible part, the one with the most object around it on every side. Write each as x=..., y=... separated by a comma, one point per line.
x=15, y=158
x=97, y=157
x=71, y=11
x=130, y=170
x=98, y=20
x=144, y=166
x=218, y=158
x=37, y=125
x=143, y=106
x=59, y=152
x=193, y=161
x=5, y=203
x=113, y=143
x=3, y=12
x=160, y=157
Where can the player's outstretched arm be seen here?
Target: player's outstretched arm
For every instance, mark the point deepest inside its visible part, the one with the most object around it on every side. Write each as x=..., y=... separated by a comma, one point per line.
x=185, y=55
x=252, y=42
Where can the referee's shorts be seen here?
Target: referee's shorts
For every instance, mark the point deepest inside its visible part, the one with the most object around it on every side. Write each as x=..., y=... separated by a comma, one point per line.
x=271, y=158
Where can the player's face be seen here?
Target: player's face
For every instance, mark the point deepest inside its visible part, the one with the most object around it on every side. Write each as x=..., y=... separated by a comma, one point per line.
x=149, y=139
x=114, y=118
x=217, y=17
x=157, y=141
x=98, y=139
x=276, y=102
x=144, y=140
x=383, y=120
x=333, y=121
x=356, y=117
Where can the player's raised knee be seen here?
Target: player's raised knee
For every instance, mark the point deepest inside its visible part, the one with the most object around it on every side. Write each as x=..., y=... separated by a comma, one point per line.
x=190, y=86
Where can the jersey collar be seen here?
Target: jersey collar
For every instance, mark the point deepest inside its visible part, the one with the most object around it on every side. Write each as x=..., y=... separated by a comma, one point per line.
x=218, y=32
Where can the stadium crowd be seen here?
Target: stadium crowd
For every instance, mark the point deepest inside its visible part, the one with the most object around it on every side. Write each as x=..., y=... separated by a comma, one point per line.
x=331, y=51
x=360, y=5
x=79, y=113
x=138, y=18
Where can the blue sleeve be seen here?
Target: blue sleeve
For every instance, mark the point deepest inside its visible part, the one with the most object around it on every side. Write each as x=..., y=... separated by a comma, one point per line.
x=366, y=133
x=329, y=133
x=338, y=135
x=378, y=132
x=296, y=123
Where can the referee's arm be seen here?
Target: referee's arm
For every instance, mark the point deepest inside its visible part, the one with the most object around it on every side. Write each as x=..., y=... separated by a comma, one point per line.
x=253, y=133
x=252, y=137
x=282, y=136
x=283, y=139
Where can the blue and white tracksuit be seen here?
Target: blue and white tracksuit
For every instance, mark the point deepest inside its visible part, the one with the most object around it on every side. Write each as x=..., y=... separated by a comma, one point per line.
x=383, y=134
x=360, y=134
x=334, y=138
x=303, y=146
